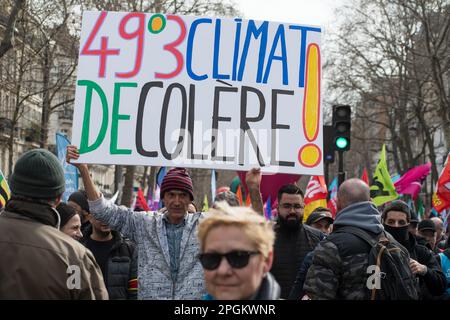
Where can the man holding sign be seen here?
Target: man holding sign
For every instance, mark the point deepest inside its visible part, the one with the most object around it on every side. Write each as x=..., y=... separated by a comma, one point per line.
x=167, y=243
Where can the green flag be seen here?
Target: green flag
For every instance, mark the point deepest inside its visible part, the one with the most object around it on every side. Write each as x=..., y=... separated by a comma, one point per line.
x=205, y=204
x=420, y=209
x=382, y=189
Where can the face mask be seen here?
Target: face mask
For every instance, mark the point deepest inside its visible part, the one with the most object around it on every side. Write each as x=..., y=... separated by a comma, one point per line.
x=399, y=233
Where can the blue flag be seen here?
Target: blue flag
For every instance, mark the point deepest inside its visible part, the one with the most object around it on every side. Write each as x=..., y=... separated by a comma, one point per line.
x=70, y=171
x=268, y=209
x=160, y=175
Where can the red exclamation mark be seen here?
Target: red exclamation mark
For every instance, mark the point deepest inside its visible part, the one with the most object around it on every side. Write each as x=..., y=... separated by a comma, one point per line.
x=310, y=154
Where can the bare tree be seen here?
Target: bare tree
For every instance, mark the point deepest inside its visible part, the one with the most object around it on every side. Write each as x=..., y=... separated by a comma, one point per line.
x=392, y=56
x=10, y=27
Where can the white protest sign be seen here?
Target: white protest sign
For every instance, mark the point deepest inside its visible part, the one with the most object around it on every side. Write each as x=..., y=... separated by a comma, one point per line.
x=172, y=90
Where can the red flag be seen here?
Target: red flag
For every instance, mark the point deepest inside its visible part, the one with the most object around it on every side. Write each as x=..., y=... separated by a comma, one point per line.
x=315, y=195
x=441, y=198
x=239, y=195
x=365, y=176
x=140, y=201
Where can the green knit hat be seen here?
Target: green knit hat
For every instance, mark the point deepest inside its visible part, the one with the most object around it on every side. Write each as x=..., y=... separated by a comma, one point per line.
x=38, y=174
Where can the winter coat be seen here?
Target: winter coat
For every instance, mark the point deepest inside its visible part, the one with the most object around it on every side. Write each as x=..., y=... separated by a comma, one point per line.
x=40, y=262
x=433, y=283
x=121, y=269
x=148, y=231
x=339, y=265
x=290, y=249
x=297, y=291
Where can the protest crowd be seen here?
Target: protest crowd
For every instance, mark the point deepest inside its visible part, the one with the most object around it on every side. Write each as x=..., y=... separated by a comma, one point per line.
x=182, y=92
x=91, y=248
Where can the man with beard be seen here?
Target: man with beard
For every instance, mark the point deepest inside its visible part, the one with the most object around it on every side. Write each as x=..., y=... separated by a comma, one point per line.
x=293, y=240
x=117, y=258
x=432, y=282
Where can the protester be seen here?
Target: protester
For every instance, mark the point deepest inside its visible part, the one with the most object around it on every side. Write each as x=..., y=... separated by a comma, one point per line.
x=426, y=230
x=229, y=197
x=117, y=258
x=440, y=235
x=432, y=282
x=38, y=261
x=321, y=219
x=339, y=265
x=166, y=243
x=413, y=223
x=293, y=240
x=79, y=201
x=70, y=221
x=245, y=240
x=445, y=265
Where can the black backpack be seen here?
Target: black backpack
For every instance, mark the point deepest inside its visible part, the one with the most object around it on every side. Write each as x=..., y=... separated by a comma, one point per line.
x=389, y=260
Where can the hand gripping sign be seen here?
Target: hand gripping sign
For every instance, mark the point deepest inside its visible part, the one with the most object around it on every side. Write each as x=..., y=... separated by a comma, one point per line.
x=166, y=90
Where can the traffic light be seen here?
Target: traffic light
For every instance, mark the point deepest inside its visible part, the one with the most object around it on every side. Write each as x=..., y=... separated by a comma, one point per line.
x=342, y=126
x=328, y=144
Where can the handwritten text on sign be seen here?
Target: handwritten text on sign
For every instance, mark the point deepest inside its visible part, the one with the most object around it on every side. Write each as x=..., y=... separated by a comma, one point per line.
x=201, y=92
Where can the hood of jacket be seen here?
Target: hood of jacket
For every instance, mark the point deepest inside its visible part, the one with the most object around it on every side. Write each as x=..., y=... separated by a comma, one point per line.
x=37, y=211
x=363, y=215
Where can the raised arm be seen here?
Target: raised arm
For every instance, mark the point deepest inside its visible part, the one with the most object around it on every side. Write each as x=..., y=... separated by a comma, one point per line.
x=253, y=181
x=92, y=192
x=118, y=218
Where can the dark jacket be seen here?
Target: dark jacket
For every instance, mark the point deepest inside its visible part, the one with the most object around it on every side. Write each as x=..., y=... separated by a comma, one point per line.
x=339, y=266
x=290, y=249
x=38, y=261
x=121, y=269
x=433, y=283
x=269, y=289
x=297, y=291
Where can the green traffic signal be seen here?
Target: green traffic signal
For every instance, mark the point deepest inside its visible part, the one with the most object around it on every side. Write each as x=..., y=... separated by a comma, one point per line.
x=341, y=143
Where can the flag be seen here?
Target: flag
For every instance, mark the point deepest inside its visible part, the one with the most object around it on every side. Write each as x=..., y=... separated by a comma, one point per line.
x=70, y=171
x=205, y=204
x=239, y=195
x=365, y=176
x=140, y=201
x=213, y=184
x=332, y=189
x=248, y=201
x=156, y=199
x=315, y=195
x=441, y=197
x=411, y=181
x=420, y=209
x=444, y=216
x=382, y=189
x=5, y=192
x=160, y=175
x=268, y=211
x=395, y=177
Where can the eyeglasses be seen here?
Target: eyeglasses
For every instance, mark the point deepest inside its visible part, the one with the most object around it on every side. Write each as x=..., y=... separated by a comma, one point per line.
x=236, y=259
x=289, y=206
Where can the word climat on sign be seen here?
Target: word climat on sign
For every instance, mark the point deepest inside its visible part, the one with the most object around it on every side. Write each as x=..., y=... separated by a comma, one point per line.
x=201, y=92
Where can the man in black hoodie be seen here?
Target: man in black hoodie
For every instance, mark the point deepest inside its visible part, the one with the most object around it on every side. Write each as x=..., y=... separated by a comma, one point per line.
x=340, y=263
x=432, y=282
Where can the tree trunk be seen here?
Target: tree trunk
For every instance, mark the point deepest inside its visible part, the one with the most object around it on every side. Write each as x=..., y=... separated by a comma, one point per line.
x=45, y=98
x=127, y=192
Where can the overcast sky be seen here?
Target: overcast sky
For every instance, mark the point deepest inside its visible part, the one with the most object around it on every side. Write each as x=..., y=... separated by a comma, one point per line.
x=310, y=12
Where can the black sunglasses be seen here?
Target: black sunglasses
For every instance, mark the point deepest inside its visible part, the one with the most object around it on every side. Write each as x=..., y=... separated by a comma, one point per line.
x=236, y=259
